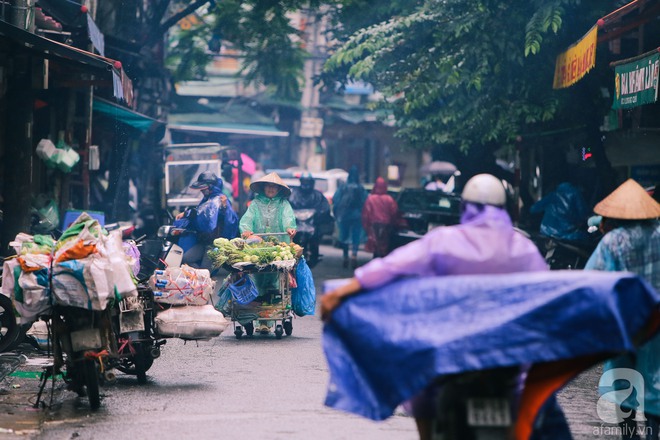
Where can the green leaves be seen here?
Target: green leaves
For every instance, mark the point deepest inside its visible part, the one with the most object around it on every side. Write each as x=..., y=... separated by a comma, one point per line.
x=462, y=70
x=547, y=17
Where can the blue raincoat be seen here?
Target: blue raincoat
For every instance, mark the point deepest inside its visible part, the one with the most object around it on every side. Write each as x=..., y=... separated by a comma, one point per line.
x=209, y=220
x=385, y=345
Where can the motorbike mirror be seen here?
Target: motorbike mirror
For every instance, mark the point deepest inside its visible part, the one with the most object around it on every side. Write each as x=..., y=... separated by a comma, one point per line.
x=164, y=231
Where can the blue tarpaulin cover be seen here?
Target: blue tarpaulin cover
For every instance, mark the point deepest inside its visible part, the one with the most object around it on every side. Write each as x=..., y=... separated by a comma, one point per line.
x=385, y=345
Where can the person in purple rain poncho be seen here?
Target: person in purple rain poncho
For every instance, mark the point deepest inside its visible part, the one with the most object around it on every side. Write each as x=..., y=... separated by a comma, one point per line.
x=484, y=242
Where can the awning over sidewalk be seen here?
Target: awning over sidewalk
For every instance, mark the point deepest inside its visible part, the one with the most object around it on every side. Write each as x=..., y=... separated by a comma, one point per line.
x=50, y=49
x=223, y=123
x=126, y=116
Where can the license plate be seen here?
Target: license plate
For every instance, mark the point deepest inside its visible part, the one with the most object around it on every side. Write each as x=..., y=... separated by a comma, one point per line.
x=488, y=412
x=89, y=339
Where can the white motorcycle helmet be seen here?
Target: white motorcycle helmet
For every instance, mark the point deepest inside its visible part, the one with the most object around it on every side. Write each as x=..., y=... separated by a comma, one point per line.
x=484, y=189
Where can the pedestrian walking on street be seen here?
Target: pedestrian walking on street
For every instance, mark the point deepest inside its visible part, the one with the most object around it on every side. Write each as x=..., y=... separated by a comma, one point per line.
x=484, y=242
x=632, y=243
x=379, y=215
x=347, y=204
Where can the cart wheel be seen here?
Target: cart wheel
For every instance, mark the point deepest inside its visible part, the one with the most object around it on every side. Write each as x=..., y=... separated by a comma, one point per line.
x=288, y=327
x=249, y=329
x=238, y=332
x=278, y=331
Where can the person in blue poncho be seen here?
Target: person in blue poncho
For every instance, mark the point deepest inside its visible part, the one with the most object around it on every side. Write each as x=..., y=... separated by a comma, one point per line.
x=565, y=213
x=347, y=204
x=631, y=223
x=212, y=218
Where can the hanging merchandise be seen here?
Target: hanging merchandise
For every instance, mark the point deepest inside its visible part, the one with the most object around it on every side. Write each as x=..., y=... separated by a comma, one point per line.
x=67, y=157
x=60, y=156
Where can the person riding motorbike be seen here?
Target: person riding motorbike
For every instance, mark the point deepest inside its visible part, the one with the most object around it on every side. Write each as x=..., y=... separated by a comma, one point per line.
x=306, y=197
x=484, y=242
x=212, y=218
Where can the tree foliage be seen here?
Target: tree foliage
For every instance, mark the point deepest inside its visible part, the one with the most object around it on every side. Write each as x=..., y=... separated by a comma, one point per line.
x=466, y=72
x=261, y=30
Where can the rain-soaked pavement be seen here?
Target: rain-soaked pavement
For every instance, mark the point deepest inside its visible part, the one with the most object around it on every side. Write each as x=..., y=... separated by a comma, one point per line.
x=255, y=387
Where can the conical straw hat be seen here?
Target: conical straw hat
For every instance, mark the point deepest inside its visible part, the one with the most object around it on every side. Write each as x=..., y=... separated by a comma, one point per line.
x=258, y=185
x=628, y=202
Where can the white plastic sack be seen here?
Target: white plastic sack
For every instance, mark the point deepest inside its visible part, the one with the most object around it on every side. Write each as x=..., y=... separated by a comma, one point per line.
x=21, y=238
x=9, y=277
x=39, y=331
x=82, y=283
x=46, y=149
x=201, y=322
x=119, y=271
x=183, y=285
x=33, y=298
x=91, y=234
x=30, y=292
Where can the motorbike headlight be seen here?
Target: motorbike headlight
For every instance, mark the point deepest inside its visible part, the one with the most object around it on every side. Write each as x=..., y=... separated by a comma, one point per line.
x=304, y=214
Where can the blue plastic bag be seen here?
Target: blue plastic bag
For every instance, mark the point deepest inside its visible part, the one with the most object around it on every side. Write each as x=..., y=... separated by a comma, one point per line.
x=303, y=297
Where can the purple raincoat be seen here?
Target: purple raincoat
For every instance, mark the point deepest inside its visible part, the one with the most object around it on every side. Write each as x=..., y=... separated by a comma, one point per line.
x=484, y=243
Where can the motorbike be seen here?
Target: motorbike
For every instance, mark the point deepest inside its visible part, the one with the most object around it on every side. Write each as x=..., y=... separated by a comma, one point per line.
x=476, y=405
x=138, y=341
x=83, y=345
x=473, y=340
x=561, y=254
x=564, y=254
x=311, y=228
x=307, y=235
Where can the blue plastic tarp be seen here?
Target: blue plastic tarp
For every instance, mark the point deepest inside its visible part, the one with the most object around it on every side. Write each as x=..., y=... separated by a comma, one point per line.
x=385, y=345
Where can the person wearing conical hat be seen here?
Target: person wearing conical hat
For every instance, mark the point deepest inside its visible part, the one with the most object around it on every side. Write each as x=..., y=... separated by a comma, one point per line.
x=269, y=213
x=631, y=223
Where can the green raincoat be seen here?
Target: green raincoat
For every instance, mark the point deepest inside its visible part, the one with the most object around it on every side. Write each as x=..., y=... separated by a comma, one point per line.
x=266, y=215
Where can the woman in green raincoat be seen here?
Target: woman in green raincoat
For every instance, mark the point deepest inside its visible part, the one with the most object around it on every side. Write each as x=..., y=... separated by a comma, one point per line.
x=269, y=213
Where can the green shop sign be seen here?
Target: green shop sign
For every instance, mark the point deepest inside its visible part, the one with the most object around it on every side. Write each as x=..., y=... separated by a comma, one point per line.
x=636, y=83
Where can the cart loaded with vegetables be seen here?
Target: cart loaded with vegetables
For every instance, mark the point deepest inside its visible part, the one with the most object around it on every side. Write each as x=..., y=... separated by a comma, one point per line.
x=269, y=283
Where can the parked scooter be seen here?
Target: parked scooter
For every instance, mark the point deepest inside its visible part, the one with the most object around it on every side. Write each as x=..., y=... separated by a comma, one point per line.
x=134, y=320
x=82, y=347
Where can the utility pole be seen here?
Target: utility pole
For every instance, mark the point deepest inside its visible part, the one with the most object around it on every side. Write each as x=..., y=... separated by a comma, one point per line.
x=311, y=155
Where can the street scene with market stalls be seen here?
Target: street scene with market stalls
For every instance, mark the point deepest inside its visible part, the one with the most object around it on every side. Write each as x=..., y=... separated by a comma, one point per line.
x=335, y=220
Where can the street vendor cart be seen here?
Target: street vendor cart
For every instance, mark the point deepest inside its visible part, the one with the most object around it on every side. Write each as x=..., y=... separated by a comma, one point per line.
x=276, y=307
x=242, y=299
